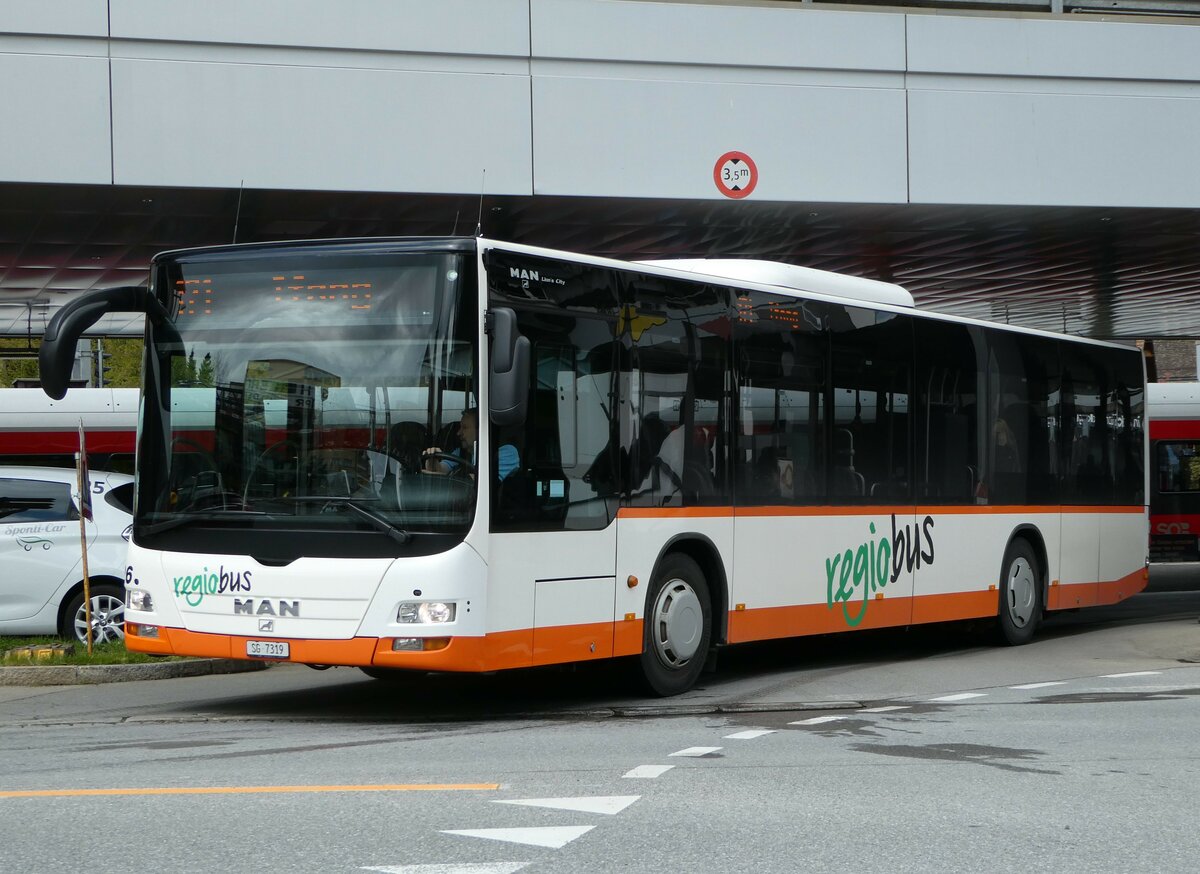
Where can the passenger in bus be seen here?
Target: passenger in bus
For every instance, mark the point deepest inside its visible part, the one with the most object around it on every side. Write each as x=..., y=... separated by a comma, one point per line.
x=846, y=480
x=1008, y=458
x=661, y=458
x=508, y=459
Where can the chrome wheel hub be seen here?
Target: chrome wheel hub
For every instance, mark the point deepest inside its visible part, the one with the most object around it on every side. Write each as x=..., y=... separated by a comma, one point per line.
x=677, y=624
x=1022, y=592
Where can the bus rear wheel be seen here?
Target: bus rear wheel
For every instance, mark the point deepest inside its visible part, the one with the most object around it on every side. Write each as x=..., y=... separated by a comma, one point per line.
x=678, y=626
x=1020, y=594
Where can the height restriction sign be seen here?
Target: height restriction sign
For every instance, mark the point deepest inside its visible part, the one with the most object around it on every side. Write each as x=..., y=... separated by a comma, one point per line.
x=735, y=174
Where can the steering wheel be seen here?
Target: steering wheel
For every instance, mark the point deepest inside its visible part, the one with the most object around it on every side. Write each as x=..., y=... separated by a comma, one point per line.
x=218, y=497
x=461, y=468
x=286, y=441
x=196, y=448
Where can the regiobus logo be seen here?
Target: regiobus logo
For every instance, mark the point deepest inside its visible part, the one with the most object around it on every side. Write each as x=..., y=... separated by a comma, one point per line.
x=874, y=564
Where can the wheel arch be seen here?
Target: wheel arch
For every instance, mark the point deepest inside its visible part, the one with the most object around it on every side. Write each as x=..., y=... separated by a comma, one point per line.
x=700, y=549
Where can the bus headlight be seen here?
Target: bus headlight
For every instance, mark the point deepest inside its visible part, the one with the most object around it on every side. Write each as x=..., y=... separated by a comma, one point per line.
x=425, y=612
x=139, y=599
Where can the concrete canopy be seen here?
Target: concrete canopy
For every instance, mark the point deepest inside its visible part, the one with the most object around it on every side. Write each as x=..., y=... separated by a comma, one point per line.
x=1113, y=273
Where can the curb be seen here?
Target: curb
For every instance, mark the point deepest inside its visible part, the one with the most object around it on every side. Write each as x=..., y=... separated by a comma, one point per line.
x=78, y=675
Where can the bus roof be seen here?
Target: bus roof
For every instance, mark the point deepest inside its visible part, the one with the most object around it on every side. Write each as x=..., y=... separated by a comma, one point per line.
x=792, y=276
x=767, y=275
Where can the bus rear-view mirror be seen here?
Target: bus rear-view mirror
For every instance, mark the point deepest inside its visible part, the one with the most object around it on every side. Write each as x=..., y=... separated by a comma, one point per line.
x=508, y=385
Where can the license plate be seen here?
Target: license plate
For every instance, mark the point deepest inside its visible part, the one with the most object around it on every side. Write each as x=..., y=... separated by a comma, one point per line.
x=268, y=649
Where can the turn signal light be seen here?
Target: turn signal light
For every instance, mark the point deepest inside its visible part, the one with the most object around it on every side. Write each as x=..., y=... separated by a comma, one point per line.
x=419, y=644
x=148, y=631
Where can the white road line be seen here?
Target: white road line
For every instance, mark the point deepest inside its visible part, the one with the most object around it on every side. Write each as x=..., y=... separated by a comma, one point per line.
x=696, y=752
x=452, y=868
x=606, y=804
x=1040, y=685
x=961, y=696
x=553, y=836
x=888, y=709
x=750, y=735
x=1131, y=674
x=647, y=772
x=817, y=720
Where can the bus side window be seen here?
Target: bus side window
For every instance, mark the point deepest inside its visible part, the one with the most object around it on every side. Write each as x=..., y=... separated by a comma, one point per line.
x=872, y=354
x=676, y=391
x=567, y=473
x=1021, y=455
x=780, y=431
x=948, y=380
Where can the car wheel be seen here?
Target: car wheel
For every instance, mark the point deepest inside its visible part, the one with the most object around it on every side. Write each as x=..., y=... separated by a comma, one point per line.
x=108, y=615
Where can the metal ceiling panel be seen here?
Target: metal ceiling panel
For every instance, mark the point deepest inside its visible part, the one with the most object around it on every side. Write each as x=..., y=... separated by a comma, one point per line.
x=1129, y=273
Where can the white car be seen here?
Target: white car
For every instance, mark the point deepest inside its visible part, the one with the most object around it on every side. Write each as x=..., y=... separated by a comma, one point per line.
x=41, y=571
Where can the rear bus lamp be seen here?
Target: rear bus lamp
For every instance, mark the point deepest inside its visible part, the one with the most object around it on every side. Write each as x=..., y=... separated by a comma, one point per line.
x=425, y=612
x=141, y=600
x=148, y=631
x=419, y=644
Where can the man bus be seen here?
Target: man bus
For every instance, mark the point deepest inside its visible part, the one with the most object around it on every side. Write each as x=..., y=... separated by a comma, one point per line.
x=709, y=453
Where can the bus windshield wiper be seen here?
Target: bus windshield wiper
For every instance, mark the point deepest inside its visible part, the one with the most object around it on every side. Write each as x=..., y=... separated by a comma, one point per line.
x=354, y=505
x=182, y=519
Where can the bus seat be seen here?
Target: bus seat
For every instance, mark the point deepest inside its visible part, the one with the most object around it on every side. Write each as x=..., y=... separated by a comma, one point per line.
x=846, y=480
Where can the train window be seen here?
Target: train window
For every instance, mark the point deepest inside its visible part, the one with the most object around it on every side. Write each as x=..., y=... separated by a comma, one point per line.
x=1178, y=466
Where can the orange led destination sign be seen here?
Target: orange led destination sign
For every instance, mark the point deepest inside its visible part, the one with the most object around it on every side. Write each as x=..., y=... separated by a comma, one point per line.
x=201, y=296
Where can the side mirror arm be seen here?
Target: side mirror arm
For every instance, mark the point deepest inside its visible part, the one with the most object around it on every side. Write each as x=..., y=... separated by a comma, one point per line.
x=56, y=356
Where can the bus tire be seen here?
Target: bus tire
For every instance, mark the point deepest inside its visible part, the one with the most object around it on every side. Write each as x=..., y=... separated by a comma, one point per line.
x=1020, y=594
x=677, y=626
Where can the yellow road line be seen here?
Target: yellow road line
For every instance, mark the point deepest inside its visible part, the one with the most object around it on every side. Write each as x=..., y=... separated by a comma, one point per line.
x=248, y=790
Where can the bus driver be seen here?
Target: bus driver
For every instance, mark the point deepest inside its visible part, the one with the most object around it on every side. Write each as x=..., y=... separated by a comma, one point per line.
x=508, y=458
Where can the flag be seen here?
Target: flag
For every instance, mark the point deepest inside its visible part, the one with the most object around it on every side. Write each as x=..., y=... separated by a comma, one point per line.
x=85, y=483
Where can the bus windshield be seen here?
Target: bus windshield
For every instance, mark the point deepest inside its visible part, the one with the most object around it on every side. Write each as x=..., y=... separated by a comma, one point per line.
x=302, y=401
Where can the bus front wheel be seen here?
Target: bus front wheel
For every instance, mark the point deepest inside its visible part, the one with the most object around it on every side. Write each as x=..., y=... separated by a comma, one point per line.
x=678, y=626
x=1020, y=594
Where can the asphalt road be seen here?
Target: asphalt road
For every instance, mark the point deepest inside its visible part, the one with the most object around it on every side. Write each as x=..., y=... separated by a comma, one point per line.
x=927, y=750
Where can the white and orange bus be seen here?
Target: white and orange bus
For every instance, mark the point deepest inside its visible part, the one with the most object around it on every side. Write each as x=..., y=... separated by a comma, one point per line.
x=1173, y=410
x=666, y=458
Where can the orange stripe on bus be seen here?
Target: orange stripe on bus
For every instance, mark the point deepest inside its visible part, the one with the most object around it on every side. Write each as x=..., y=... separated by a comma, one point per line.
x=1068, y=596
x=673, y=512
x=628, y=636
x=572, y=643
x=954, y=606
x=870, y=510
x=768, y=623
x=561, y=644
